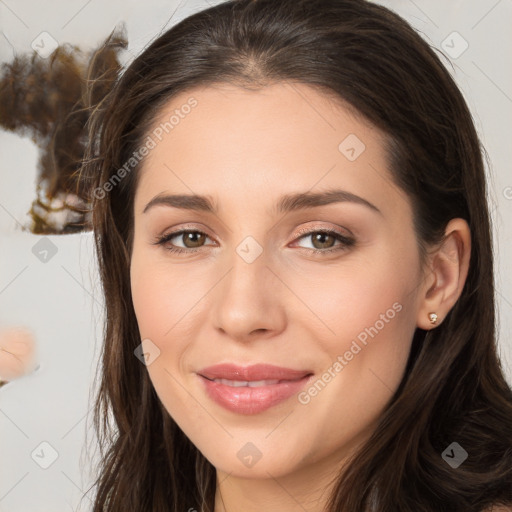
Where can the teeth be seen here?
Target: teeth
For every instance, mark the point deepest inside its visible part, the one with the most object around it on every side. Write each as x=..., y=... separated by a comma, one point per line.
x=242, y=383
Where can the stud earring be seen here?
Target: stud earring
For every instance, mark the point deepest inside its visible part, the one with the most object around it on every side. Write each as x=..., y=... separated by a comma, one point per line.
x=433, y=318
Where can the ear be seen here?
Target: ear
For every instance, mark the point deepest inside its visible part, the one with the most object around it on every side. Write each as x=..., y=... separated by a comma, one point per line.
x=446, y=275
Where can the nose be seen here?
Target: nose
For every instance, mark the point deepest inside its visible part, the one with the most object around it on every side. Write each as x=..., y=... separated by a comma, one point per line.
x=248, y=302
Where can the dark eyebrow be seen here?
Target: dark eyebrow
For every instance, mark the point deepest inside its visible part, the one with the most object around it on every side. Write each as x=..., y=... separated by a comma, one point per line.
x=184, y=201
x=305, y=200
x=287, y=203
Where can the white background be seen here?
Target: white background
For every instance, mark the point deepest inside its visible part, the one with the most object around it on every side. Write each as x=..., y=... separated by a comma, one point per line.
x=61, y=300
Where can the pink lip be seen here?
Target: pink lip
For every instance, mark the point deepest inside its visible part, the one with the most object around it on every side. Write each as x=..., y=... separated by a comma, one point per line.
x=254, y=372
x=248, y=400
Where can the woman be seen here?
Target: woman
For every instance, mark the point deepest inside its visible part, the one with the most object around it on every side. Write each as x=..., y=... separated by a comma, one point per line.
x=289, y=207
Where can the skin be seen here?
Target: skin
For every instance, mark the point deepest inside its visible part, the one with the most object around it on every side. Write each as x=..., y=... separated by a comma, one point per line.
x=289, y=307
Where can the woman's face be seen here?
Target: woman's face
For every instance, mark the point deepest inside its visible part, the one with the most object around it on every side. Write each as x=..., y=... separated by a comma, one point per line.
x=248, y=288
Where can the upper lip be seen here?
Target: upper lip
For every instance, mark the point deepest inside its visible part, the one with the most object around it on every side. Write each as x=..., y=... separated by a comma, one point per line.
x=252, y=373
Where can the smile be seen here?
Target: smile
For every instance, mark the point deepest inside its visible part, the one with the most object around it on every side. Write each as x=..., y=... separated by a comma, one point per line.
x=253, y=389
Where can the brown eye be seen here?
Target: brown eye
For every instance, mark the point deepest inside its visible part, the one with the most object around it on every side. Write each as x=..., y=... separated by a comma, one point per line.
x=192, y=239
x=323, y=240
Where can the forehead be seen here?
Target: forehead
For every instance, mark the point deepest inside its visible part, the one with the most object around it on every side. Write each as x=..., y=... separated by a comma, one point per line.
x=282, y=114
x=222, y=138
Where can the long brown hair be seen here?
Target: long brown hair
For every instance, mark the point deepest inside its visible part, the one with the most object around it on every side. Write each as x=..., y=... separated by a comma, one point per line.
x=453, y=389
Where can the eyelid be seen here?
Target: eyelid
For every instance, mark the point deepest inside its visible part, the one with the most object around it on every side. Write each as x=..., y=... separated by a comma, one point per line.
x=164, y=238
x=344, y=239
x=302, y=231
x=186, y=227
x=315, y=228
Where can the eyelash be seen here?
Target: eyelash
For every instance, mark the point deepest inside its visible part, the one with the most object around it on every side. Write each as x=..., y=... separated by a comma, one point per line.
x=346, y=242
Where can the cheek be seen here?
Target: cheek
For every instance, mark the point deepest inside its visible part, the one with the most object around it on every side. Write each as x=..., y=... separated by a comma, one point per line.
x=163, y=305
x=359, y=299
x=370, y=313
x=170, y=304
x=366, y=363
x=164, y=297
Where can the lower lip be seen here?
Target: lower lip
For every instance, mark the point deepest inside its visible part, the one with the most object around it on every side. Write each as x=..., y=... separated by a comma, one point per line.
x=246, y=400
